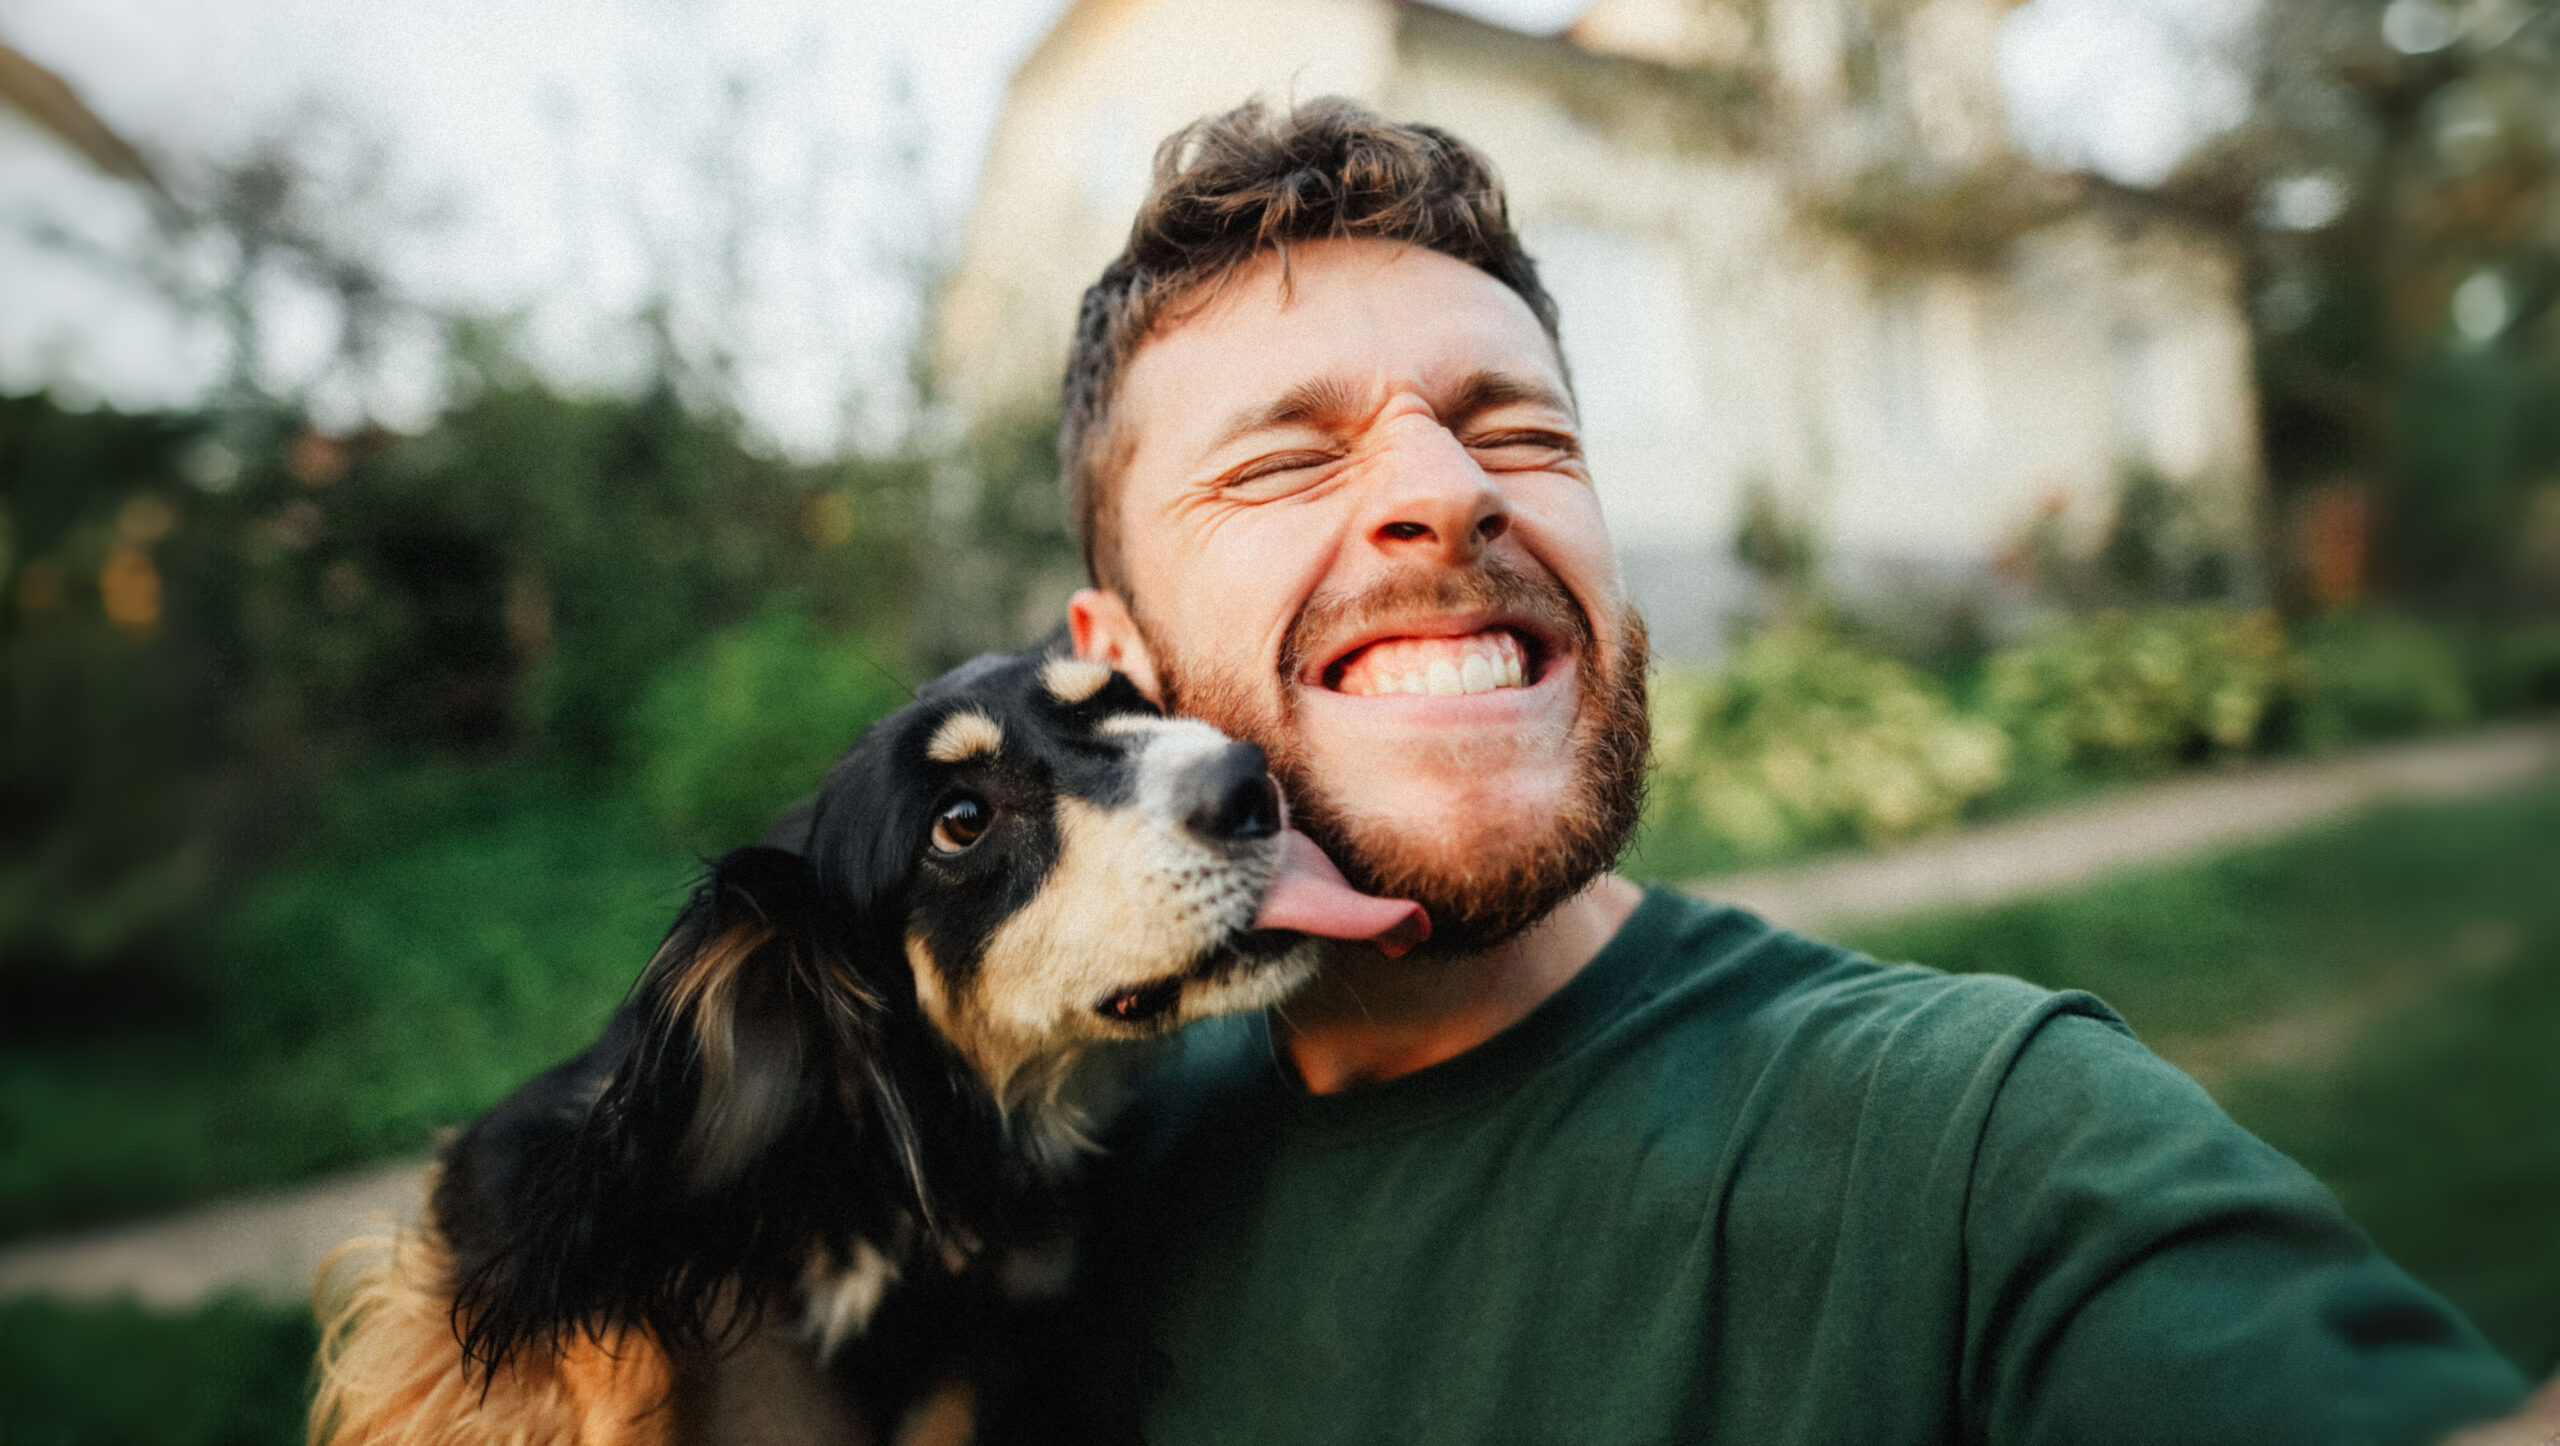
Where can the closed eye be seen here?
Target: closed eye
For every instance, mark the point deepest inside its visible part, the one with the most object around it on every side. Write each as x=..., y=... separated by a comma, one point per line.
x=1523, y=449
x=1277, y=473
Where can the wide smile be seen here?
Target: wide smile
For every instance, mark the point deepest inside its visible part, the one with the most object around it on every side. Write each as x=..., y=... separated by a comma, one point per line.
x=1439, y=657
x=1460, y=665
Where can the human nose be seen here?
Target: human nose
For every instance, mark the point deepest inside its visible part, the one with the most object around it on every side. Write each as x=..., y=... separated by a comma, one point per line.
x=1434, y=503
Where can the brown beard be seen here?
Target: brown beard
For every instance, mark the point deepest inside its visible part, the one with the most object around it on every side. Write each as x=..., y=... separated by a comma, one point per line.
x=1486, y=903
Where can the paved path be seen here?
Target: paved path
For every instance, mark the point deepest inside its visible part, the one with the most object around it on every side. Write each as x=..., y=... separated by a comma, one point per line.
x=2159, y=823
x=269, y=1246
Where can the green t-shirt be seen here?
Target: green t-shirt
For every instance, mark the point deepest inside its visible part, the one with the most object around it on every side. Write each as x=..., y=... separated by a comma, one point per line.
x=1730, y=1184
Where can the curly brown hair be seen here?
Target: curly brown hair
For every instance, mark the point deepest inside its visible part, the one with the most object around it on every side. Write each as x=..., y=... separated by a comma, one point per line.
x=1229, y=187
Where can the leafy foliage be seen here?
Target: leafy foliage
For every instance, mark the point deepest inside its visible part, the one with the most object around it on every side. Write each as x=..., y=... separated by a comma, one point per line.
x=2392, y=188
x=100, y=752
x=732, y=733
x=2137, y=692
x=2375, y=675
x=1806, y=740
x=2513, y=668
x=207, y=615
x=450, y=931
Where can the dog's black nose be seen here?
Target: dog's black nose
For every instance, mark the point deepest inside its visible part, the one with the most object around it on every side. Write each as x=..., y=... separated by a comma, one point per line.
x=1232, y=797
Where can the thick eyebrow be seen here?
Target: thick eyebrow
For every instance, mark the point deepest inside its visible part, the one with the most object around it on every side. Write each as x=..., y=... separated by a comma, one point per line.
x=1323, y=400
x=1318, y=400
x=1485, y=390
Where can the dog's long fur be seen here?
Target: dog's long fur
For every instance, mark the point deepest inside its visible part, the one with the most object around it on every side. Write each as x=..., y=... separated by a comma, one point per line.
x=388, y=1370
x=825, y=1151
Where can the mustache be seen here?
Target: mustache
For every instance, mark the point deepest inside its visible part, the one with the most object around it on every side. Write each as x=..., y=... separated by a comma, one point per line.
x=1491, y=586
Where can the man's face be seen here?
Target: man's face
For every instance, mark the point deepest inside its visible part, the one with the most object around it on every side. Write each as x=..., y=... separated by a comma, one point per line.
x=1356, y=527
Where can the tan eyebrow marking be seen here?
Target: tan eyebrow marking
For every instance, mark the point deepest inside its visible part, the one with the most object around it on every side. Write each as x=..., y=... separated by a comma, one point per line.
x=963, y=736
x=1072, y=680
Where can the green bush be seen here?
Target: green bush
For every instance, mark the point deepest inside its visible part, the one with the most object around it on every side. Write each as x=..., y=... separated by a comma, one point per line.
x=2138, y=692
x=449, y=932
x=1806, y=740
x=204, y=617
x=2373, y=675
x=2514, y=668
x=745, y=725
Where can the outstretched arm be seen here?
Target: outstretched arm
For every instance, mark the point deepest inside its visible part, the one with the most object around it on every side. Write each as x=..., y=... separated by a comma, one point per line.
x=2140, y=1268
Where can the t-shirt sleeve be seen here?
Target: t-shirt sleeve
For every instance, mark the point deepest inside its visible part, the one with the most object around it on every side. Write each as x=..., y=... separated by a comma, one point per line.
x=2141, y=1269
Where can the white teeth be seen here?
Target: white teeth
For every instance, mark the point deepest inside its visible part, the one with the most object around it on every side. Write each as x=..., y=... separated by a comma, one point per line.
x=1440, y=667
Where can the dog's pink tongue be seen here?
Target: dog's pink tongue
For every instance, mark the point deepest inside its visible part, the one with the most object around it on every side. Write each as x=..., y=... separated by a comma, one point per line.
x=1312, y=897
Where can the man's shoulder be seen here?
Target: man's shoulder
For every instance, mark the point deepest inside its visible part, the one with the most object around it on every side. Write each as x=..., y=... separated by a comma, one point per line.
x=1786, y=998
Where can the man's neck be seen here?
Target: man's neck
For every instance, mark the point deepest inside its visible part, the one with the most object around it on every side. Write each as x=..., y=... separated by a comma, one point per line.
x=1368, y=1018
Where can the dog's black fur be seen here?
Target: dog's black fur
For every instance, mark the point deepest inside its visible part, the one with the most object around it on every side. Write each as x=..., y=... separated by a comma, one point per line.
x=803, y=1082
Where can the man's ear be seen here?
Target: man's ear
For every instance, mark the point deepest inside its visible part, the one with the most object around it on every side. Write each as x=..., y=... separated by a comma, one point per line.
x=1106, y=632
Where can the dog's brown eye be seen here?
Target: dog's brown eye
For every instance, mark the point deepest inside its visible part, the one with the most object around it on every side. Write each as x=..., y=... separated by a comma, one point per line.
x=960, y=824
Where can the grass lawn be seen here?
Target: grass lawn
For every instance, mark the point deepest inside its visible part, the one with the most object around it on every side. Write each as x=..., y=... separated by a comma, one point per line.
x=453, y=932
x=2381, y=1000
x=230, y=1374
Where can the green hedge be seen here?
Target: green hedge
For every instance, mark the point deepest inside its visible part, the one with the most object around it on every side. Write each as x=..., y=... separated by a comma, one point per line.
x=746, y=724
x=450, y=932
x=2126, y=692
x=1807, y=740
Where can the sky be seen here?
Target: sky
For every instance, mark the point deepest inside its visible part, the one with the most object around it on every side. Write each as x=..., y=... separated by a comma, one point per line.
x=784, y=170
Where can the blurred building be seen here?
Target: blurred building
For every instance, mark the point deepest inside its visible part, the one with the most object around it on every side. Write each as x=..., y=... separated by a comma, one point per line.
x=1795, y=254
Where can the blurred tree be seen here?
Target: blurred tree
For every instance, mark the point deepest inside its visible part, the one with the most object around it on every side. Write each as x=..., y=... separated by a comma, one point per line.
x=99, y=863
x=1003, y=562
x=207, y=615
x=2398, y=186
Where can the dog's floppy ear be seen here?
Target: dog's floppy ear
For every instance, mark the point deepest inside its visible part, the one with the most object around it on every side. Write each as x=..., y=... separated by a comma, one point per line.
x=737, y=1089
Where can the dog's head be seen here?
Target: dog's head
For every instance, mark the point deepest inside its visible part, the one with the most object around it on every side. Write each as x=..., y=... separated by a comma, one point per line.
x=1066, y=866
x=853, y=1043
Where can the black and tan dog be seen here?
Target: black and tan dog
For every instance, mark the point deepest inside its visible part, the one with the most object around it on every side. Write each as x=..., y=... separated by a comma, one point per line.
x=818, y=1169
